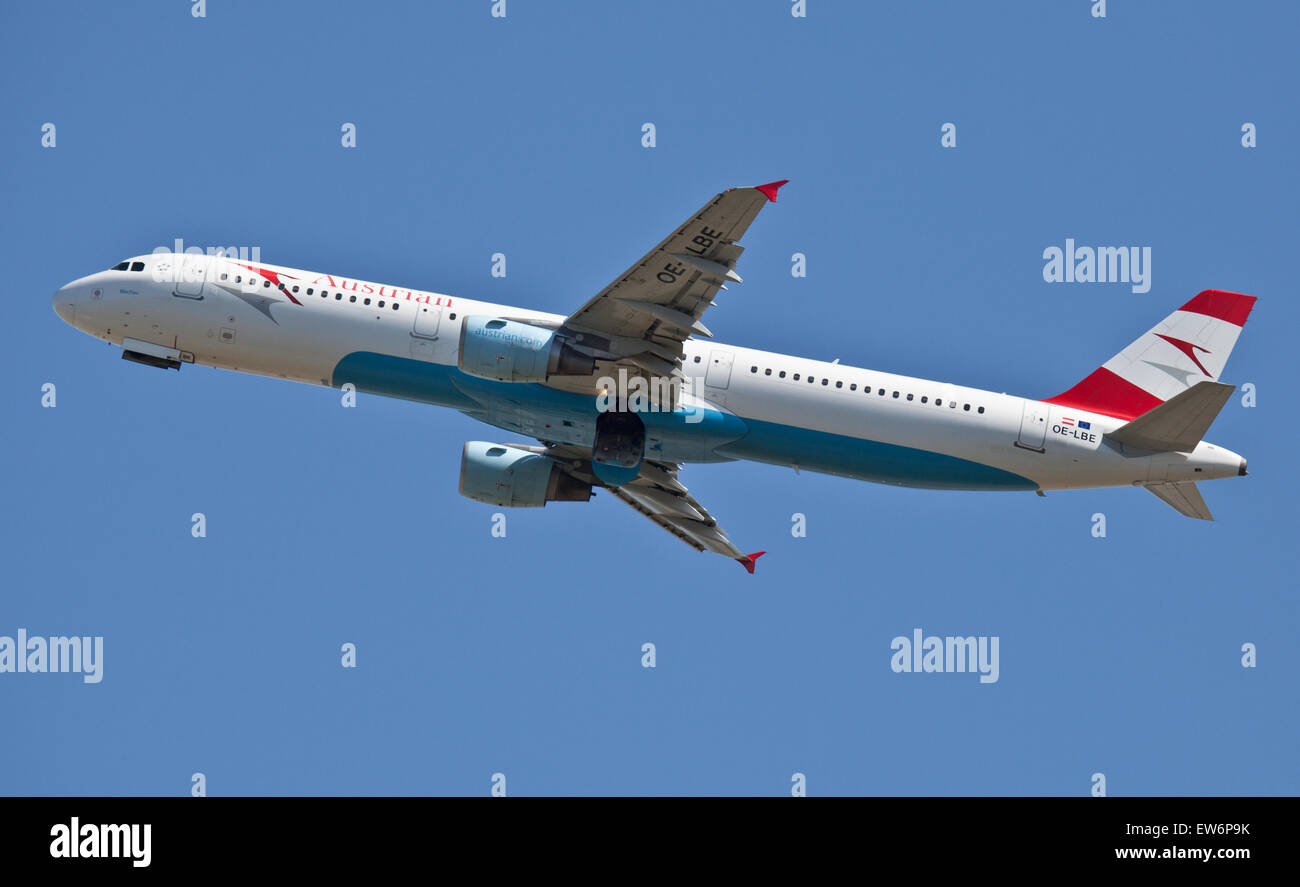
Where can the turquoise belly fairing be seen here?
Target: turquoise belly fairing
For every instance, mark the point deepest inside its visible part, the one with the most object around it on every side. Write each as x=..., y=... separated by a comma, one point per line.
x=563, y=417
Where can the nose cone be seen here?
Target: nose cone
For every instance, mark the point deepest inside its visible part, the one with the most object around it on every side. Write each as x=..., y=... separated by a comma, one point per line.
x=65, y=304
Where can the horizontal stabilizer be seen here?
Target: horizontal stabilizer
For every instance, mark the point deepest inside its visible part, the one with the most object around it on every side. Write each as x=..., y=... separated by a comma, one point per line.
x=1183, y=498
x=1178, y=424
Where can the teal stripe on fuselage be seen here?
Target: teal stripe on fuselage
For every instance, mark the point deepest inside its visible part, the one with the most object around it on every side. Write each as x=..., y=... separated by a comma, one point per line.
x=870, y=460
x=403, y=378
x=728, y=436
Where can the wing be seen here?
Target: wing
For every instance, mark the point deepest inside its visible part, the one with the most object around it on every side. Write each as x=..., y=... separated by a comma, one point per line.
x=660, y=496
x=643, y=317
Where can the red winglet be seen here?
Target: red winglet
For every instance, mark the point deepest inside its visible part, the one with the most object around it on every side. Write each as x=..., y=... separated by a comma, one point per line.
x=749, y=560
x=769, y=191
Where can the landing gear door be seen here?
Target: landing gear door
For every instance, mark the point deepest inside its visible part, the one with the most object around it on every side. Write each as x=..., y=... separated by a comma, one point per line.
x=1033, y=426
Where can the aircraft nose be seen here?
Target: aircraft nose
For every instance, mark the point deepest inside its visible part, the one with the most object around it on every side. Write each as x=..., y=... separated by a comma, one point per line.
x=65, y=303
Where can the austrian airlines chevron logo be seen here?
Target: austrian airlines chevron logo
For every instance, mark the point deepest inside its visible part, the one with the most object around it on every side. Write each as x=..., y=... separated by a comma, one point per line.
x=274, y=277
x=1189, y=349
x=255, y=298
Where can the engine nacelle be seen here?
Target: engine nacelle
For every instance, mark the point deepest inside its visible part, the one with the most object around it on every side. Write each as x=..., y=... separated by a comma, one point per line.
x=516, y=478
x=510, y=351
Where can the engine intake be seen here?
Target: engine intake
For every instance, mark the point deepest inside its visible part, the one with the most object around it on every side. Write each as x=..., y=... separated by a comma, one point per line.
x=499, y=474
x=510, y=351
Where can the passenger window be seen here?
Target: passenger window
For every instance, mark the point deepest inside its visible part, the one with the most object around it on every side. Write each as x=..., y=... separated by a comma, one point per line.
x=697, y=358
x=394, y=306
x=938, y=402
x=381, y=303
x=853, y=387
x=352, y=298
x=338, y=297
x=981, y=409
x=266, y=284
x=895, y=394
x=224, y=275
x=767, y=372
x=753, y=369
x=882, y=392
x=925, y=399
x=839, y=384
x=781, y=374
x=295, y=287
x=311, y=292
x=966, y=408
x=453, y=317
x=367, y=301
x=795, y=377
x=825, y=381
x=909, y=397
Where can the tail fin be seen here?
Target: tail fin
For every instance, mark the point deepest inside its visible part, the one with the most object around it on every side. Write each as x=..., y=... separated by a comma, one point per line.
x=1189, y=346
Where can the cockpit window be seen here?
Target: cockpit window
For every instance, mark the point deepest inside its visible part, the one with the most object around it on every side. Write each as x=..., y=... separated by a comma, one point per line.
x=137, y=266
x=120, y=266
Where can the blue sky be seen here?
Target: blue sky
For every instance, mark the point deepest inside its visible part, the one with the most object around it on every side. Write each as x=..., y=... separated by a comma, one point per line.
x=522, y=655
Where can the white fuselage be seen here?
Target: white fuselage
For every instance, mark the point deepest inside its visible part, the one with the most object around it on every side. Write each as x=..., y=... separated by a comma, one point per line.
x=759, y=405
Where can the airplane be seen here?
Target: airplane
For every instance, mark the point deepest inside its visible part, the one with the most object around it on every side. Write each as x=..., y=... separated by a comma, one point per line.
x=624, y=392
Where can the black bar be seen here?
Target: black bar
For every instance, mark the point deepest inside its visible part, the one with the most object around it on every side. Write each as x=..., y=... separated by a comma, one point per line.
x=336, y=835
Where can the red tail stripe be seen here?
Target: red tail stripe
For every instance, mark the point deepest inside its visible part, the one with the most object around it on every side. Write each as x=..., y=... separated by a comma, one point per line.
x=1106, y=393
x=1232, y=308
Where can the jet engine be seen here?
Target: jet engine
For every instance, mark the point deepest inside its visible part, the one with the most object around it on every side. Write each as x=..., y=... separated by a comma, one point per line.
x=511, y=351
x=499, y=474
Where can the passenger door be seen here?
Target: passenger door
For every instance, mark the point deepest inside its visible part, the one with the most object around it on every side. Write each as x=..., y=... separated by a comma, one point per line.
x=1033, y=426
x=191, y=272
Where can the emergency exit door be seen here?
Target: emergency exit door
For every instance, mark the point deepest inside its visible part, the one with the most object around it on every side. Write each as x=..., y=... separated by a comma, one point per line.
x=718, y=374
x=426, y=321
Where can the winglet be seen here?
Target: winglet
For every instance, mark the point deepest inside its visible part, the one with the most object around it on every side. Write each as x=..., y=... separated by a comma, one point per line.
x=749, y=560
x=769, y=191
